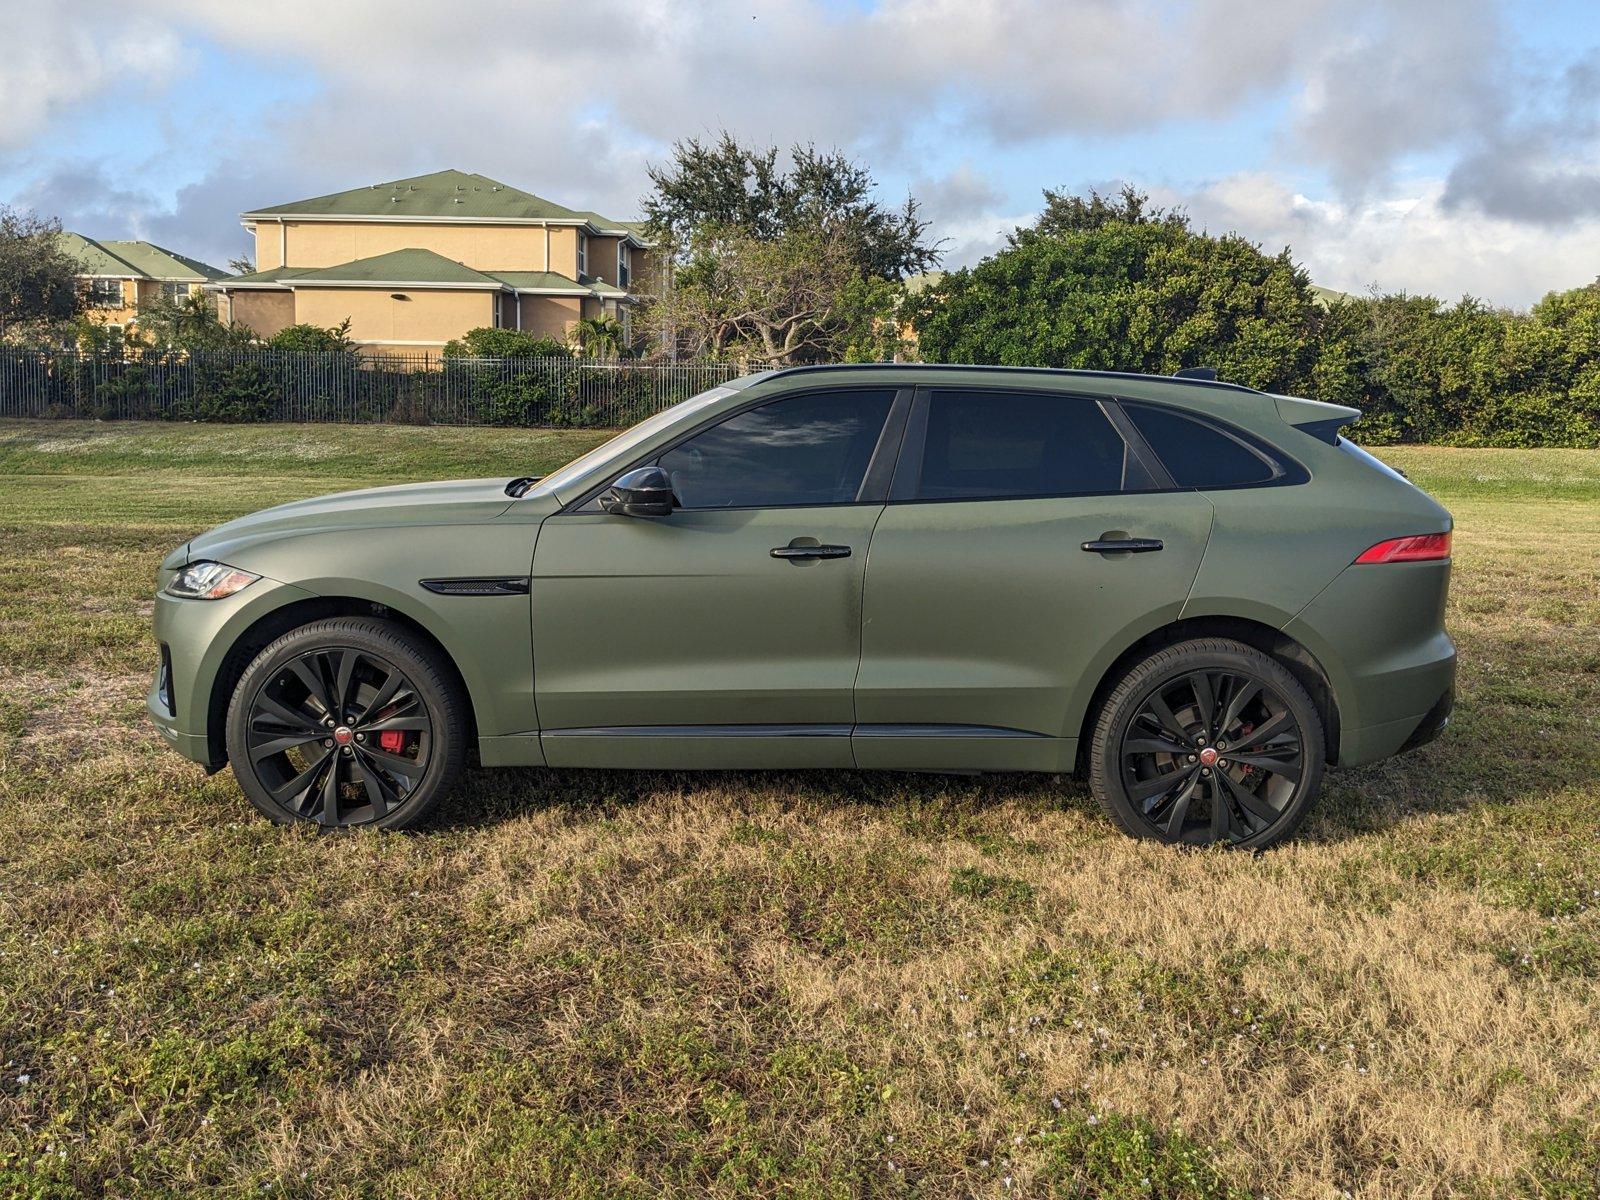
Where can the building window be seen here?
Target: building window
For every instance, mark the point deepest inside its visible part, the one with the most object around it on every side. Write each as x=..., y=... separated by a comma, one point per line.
x=173, y=293
x=623, y=272
x=583, y=254
x=105, y=293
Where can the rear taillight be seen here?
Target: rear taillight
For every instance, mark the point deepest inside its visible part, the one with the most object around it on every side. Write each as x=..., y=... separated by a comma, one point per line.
x=1422, y=547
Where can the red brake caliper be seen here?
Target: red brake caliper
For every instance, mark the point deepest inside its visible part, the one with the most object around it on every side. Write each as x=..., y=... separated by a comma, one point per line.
x=392, y=740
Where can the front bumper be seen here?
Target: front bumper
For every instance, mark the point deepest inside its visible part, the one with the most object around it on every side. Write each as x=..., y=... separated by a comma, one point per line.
x=195, y=637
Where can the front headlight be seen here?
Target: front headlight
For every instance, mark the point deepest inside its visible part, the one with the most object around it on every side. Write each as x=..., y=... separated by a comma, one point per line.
x=209, y=581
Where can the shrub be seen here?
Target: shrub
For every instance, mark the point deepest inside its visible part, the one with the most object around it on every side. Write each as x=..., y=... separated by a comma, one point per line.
x=236, y=393
x=314, y=338
x=487, y=342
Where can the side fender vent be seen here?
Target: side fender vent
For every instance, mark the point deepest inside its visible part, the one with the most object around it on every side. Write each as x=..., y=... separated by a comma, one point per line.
x=479, y=585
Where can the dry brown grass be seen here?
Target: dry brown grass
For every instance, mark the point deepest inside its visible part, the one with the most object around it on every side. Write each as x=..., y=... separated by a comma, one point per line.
x=771, y=984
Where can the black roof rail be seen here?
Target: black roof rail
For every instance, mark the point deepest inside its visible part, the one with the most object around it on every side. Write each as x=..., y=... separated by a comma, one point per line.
x=1209, y=373
x=1181, y=379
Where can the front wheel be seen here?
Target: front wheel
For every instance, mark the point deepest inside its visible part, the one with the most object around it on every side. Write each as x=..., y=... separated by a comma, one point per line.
x=1208, y=741
x=347, y=722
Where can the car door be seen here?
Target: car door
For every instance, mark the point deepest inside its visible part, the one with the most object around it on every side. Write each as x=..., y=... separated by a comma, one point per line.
x=1026, y=538
x=726, y=634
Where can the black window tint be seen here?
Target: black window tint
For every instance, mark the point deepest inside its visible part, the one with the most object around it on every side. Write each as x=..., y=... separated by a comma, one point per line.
x=1196, y=454
x=805, y=450
x=990, y=444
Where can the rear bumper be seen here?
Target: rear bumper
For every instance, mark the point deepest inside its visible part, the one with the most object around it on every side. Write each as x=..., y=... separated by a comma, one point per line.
x=1378, y=631
x=1375, y=742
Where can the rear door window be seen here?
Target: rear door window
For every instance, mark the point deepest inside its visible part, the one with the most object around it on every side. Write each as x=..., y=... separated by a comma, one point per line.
x=1196, y=453
x=989, y=445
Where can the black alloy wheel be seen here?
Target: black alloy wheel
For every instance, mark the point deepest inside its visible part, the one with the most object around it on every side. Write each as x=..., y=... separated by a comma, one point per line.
x=342, y=731
x=1215, y=743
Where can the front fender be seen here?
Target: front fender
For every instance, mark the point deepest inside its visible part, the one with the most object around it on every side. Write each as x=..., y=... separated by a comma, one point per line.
x=488, y=637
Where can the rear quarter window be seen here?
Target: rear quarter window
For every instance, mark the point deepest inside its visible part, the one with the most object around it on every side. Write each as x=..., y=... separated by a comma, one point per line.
x=1197, y=454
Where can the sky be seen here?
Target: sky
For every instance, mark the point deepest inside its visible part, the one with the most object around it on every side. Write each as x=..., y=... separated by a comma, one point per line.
x=1447, y=147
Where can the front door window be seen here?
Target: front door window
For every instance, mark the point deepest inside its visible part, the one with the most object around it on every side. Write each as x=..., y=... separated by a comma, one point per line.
x=803, y=451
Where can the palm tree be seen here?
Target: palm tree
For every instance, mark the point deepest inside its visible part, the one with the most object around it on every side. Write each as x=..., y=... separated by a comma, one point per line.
x=600, y=337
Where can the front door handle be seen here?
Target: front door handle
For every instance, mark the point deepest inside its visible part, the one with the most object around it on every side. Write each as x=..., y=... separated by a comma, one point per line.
x=803, y=553
x=1123, y=545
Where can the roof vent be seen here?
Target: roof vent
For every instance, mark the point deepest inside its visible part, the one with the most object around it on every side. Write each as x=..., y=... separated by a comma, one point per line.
x=394, y=199
x=459, y=200
x=1207, y=373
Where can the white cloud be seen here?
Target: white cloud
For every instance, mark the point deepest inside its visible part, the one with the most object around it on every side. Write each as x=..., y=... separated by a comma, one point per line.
x=573, y=99
x=1407, y=240
x=58, y=56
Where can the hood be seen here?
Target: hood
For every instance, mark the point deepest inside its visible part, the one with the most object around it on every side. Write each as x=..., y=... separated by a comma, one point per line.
x=453, y=502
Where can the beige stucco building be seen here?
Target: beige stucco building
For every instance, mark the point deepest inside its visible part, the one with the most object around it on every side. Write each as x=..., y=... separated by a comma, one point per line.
x=417, y=262
x=116, y=277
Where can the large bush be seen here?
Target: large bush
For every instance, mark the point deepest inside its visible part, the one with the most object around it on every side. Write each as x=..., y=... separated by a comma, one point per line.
x=1110, y=284
x=489, y=342
x=1150, y=296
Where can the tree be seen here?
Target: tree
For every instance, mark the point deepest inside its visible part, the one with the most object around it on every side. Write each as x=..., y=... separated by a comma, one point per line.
x=188, y=324
x=783, y=264
x=1111, y=285
x=728, y=186
x=241, y=265
x=600, y=337
x=38, y=277
x=1066, y=213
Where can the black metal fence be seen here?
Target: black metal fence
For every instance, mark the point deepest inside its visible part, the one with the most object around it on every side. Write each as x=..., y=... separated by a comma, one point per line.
x=251, y=385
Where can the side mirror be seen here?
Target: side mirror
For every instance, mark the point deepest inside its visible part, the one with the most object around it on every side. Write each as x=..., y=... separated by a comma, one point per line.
x=642, y=492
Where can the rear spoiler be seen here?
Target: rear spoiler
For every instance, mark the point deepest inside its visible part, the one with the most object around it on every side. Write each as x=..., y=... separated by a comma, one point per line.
x=1321, y=421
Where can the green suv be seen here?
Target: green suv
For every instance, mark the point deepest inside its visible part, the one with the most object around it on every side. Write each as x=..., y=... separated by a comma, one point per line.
x=1195, y=593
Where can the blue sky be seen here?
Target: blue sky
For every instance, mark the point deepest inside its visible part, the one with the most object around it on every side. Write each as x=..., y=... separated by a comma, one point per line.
x=1444, y=146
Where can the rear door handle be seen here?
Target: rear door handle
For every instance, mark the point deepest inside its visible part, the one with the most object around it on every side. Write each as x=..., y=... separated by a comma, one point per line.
x=802, y=553
x=1123, y=545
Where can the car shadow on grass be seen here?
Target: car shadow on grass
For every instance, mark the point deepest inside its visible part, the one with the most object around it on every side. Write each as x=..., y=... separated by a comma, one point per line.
x=487, y=797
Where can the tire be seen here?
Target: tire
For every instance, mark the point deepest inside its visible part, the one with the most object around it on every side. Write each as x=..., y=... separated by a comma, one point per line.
x=360, y=700
x=1165, y=760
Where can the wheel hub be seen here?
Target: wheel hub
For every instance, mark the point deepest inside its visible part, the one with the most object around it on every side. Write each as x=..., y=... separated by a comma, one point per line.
x=344, y=735
x=1208, y=756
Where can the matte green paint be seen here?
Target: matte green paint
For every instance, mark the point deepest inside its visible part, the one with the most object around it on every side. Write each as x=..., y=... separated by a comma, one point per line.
x=963, y=635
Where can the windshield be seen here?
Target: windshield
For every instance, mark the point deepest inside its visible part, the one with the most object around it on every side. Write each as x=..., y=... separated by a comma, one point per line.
x=629, y=438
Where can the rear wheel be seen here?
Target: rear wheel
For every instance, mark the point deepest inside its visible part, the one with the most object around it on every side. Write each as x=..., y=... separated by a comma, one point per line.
x=1208, y=741
x=347, y=722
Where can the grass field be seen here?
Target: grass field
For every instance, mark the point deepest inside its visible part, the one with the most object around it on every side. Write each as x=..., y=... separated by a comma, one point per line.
x=606, y=984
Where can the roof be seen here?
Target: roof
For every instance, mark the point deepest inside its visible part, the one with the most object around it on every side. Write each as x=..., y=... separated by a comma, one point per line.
x=136, y=260
x=272, y=275
x=540, y=281
x=440, y=195
x=1327, y=297
x=601, y=288
x=398, y=266
x=416, y=267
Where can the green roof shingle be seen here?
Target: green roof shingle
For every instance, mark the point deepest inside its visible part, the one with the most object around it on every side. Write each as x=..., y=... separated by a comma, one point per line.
x=445, y=194
x=136, y=260
x=539, y=281
x=160, y=263
x=399, y=266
